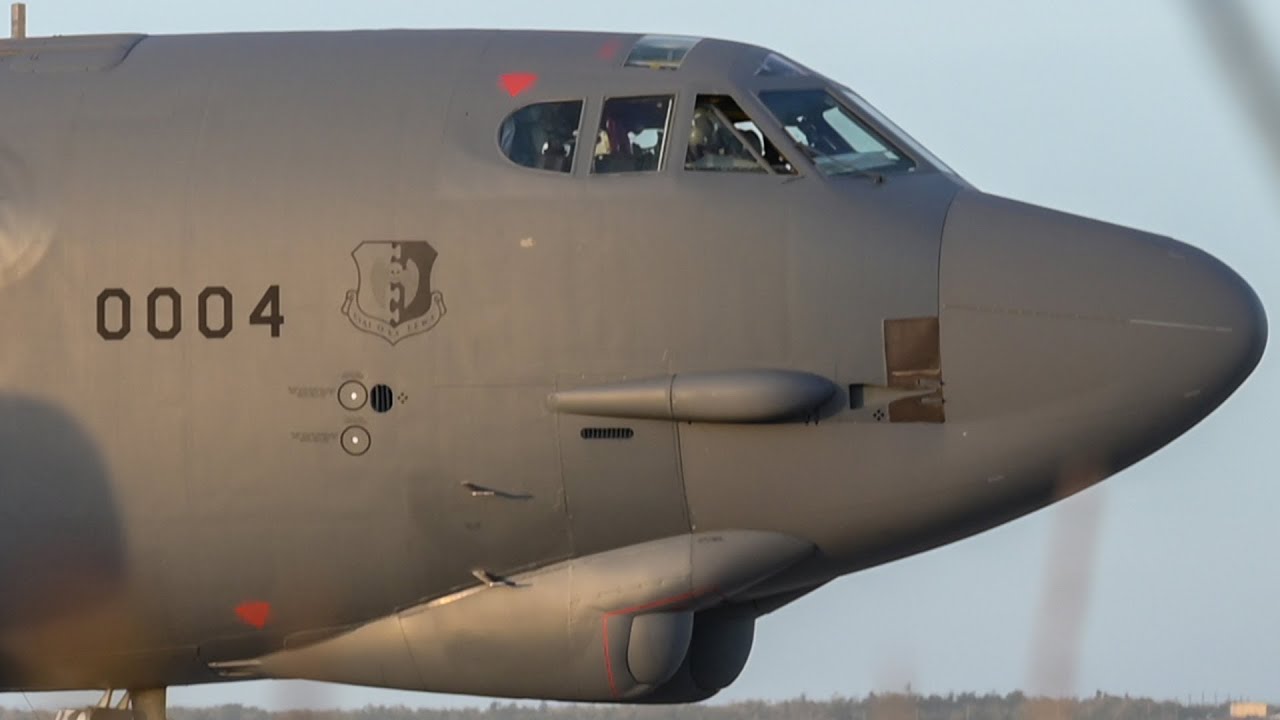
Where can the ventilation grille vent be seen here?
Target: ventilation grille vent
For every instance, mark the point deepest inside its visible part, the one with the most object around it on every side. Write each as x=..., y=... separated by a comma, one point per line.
x=608, y=433
x=382, y=398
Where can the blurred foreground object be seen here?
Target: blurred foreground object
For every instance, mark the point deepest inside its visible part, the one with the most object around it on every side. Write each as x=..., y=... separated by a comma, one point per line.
x=1239, y=42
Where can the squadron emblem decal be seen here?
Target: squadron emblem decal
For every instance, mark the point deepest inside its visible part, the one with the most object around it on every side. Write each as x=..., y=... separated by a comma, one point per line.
x=393, y=298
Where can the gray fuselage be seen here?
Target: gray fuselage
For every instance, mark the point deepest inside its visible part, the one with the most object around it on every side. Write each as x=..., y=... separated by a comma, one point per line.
x=195, y=236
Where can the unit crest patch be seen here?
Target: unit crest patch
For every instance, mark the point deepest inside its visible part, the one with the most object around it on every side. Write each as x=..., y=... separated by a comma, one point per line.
x=393, y=298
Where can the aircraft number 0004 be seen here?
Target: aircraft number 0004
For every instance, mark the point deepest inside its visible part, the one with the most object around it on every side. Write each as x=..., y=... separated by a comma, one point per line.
x=215, y=313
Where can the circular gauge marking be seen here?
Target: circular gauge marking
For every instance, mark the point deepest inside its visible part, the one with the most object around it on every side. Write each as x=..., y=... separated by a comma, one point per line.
x=355, y=440
x=352, y=395
x=382, y=398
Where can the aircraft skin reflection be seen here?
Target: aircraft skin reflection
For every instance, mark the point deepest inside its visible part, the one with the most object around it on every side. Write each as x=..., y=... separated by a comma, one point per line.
x=715, y=334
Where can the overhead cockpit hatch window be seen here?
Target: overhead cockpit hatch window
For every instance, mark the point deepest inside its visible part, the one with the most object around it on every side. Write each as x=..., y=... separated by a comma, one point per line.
x=543, y=136
x=724, y=138
x=661, y=52
x=776, y=65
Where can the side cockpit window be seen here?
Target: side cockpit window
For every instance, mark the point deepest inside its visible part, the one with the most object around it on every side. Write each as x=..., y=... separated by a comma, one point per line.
x=723, y=138
x=543, y=136
x=632, y=134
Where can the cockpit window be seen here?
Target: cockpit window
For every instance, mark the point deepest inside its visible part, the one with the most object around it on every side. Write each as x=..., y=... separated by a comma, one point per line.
x=542, y=136
x=661, y=52
x=775, y=65
x=724, y=138
x=632, y=134
x=833, y=137
x=869, y=110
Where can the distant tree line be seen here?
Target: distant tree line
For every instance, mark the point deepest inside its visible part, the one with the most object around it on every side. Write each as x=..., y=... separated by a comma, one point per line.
x=889, y=706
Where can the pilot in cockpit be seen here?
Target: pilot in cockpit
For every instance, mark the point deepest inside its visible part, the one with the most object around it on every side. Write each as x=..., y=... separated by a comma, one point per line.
x=714, y=144
x=631, y=134
x=707, y=137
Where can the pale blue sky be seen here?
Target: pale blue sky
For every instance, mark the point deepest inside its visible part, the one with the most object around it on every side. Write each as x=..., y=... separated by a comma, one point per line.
x=1107, y=109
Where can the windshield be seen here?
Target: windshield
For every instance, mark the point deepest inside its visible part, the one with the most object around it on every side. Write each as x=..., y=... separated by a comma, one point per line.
x=834, y=138
x=869, y=110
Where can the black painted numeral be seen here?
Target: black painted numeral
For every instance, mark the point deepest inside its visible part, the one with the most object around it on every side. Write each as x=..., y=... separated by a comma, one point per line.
x=175, y=313
x=224, y=327
x=126, y=314
x=164, y=313
x=268, y=311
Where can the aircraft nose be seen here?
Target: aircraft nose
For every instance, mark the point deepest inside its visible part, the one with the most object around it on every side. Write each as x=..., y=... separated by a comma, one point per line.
x=1071, y=333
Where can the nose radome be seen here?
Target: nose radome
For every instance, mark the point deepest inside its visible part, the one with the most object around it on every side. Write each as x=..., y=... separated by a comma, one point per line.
x=1087, y=332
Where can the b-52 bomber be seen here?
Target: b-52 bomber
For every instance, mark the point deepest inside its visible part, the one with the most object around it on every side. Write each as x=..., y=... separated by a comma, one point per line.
x=523, y=364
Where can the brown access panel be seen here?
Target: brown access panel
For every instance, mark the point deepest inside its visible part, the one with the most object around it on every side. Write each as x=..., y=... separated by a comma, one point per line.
x=913, y=361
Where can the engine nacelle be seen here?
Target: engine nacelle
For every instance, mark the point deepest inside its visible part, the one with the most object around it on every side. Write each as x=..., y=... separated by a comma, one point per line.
x=718, y=652
x=624, y=625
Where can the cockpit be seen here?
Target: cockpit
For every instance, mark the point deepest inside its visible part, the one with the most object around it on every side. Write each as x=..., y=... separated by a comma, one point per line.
x=782, y=119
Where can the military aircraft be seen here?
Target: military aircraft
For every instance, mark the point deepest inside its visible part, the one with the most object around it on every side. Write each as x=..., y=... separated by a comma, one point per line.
x=523, y=364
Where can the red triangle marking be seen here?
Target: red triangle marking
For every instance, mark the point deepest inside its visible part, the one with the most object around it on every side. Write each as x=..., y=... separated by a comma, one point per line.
x=517, y=83
x=254, y=614
x=609, y=50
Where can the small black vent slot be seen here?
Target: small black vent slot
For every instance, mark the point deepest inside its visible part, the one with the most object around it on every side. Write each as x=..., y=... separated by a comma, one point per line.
x=608, y=433
x=857, y=397
x=381, y=398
